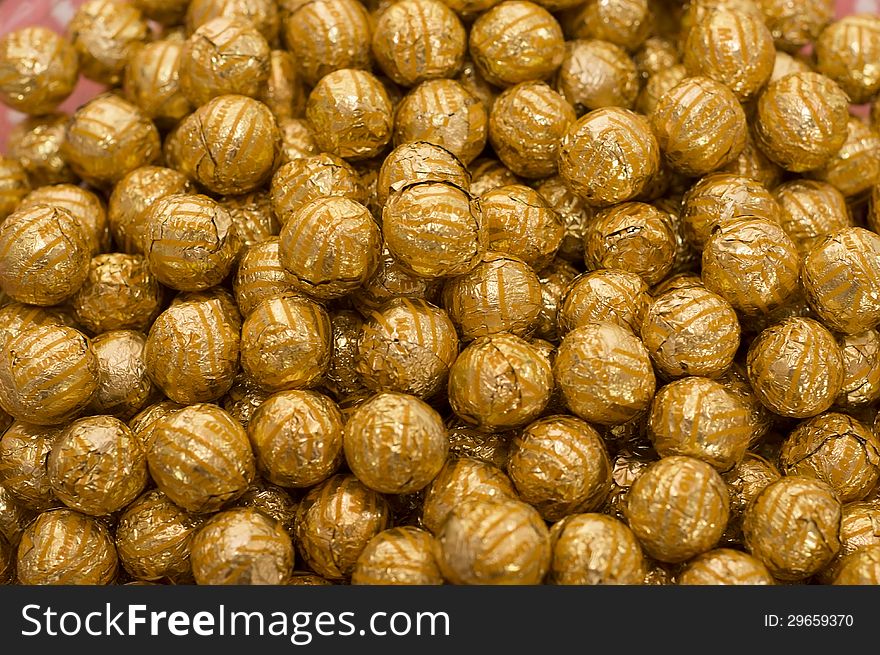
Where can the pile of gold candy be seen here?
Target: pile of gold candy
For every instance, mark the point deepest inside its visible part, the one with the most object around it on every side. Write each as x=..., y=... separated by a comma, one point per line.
x=423, y=291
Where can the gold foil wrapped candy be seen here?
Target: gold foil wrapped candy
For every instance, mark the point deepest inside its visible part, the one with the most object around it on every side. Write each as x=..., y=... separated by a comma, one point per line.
x=395, y=443
x=285, y=343
x=810, y=211
x=201, y=458
x=301, y=181
x=241, y=546
x=144, y=423
x=399, y=556
x=243, y=399
x=152, y=82
x=283, y=93
x=97, y=466
x=335, y=522
x=657, y=86
x=617, y=133
x=166, y=12
x=612, y=295
x=859, y=530
x=36, y=144
x=297, y=139
x=105, y=34
x=623, y=22
x=860, y=568
x=252, y=216
x=592, y=549
x=518, y=221
x=500, y=382
x=725, y=567
x=24, y=450
x=297, y=438
x=793, y=527
x=847, y=51
x=86, y=208
x=260, y=275
x=745, y=481
x=230, y=145
x=516, y=41
x=861, y=369
x=63, y=547
x=801, y=121
x=264, y=14
x=153, y=539
x=123, y=385
x=419, y=161
x=596, y=74
x=700, y=126
x=855, y=168
x=794, y=25
x=14, y=185
x=14, y=518
x=38, y=70
x=47, y=374
x=192, y=351
x=677, y=508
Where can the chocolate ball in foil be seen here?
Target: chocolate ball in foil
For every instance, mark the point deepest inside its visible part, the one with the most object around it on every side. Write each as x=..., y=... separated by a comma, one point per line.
x=632, y=236
x=107, y=138
x=119, y=293
x=36, y=144
x=475, y=84
x=657, y=86
x=241, y=547
x=297, y=139
x=299, y=182
x=861, y=369
x=855, y=168
x=283, y=93
x=725, y=566
x=745, y=481
x=466, y=441
x=24, y=451
x=328, y=35
x=190, y=241
x=407, y=346
x=841, y=278
x=754, y=164
x=612, y=295
x=330, y=247
x=285, y=343
x=243, y=399
x=192, y=351
x=399, y=556
x=16, y=318
x=97, y=466
x=794, y=25
x=63, y=547
x=222, y=296
x=526, y=125
x=48, y=374
x=752, y=264
x=796, y=368
x=46, y=234
x=153, y=539
x=519, y=222
x=596, y=74
x=734, y=48
x=152, y=82
x=132, y=198
x=260, y=275
x=700, y=126
x=264, y=14
x=297, y=438
x=810, y=211
x=165, y=12
x=395, y=443
x=335, y=522
x=86, y=208
x=574, y=213
x=604, y=373
x=494, y=542
x=252, y=216
x=419, y=161
x=656, y=54
x=859, y=530
x=860, y=568
x=442, y=112
x=123, y=385
x=434, y=229
x=516, y=41
x=594, y=549
x=460, y=480
x=105, y=34
x=500, y=382
x=274, y=502
x=609, y=156
x=418, y=40
x=488, y=174
x=836, y=449
x=560, y=466
x=224, y=56
x=144, y=423
x=502, y=294
x=554, y=280
x=848, y=51
x=351, y=114
x=801, y=121
x=623, y=22
x=230, y=145
x=691, y=331
x=392, y=280
x=721, y=197
x=793, y=527
x=700, y=418
x=38, y=70
x=342, y=378
x=201, y=458
x=677, y=508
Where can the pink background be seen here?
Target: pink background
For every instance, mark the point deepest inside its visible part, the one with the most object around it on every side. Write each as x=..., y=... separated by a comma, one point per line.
x=57, y=13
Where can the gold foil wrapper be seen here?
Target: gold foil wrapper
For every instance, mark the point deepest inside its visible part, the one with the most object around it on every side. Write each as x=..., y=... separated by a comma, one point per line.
x=264, y=14
x=297, y=438
x=395, y=443
x=16, y=318
x=576, y=215
x=243, y=399
x=297, y=139
x=274, y=502
x=657, y=86
x=36, y=144
x=861, y=369
x=242, y=546
x=625, y=22
x=123, y=385
x=342, y=377
x=555, y=280
x=656, y=54
x=595, y=549
x=520, y=222
x=38, y=70
x=399, y=556
x=144, y=423
x=201, y=458
x=14, y=518
x=86, y=208
x=859, y=531
x=105, y=34
x=754, y=164
x=419, y=161
x=855, y=168
x=844, y=51
x=166, y=12
x=283, y=94
x=811, y=210
x=474, y=83
x=488, y=174
x=260, y=275
x=744, y=482
x=612, y=295
x=63, y=547
x=465, y=441
x=678, y=508
x=795, y=25
x=860, y=568
x=391, y=280
x=725, y=567
x=24, y=451
x=596, y=74
x=304, y=180
x=152, y=82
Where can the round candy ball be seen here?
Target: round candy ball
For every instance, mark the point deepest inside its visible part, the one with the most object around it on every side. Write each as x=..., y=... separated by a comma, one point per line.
x=591, y=549
x=848, y=52
x=725, y=566
x=24, y=451
x=14, y=185
x=596, y=74
x=152, y=82
x=38, y=69
x=399, y=556
x=419, y=161
x=123, y=384
x=105, y=35
x=86, y=207
x=612, y=295
x=860, y=568
x=794, y=27
x=520, y=222
x=260, y=275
